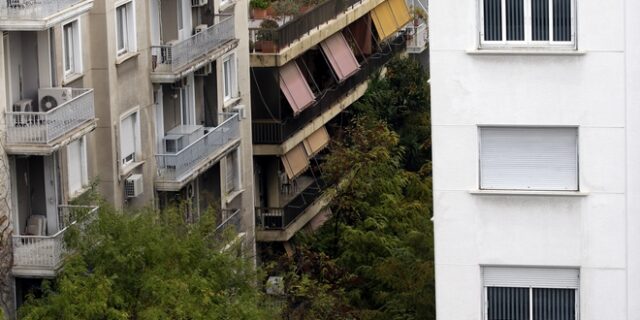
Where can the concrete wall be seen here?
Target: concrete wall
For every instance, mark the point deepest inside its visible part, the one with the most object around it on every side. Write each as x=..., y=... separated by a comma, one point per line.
x=593, y=88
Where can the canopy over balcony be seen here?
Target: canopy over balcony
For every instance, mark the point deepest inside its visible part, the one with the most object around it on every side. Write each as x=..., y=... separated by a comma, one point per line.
x=34, y=15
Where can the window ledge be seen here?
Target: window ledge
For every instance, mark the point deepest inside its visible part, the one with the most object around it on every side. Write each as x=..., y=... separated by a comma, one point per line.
x=129, y=55
x=231, y=196
x=71, y=78
x=79, y=192
x=227, y=5
x=124, y=171
x=231, y=102
x=527, y=52
x=529, y=193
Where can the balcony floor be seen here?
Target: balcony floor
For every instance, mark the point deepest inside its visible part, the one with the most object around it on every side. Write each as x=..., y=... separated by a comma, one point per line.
x=46, y=149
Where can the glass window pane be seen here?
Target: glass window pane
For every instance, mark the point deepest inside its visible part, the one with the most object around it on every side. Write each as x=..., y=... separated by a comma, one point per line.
x=540, y=20
x=68, y=47
x=492, y=20
x=515, y=20
x=121, y=20
x=507, y=303
x=554, y=304
x=561, y=20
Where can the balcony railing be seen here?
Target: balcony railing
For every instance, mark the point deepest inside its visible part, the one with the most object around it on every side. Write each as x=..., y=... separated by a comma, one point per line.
x=230, y=218
x=279, y=130
x=45, y=127
x=418, y=37
x=33, y=9
x=47, y=252
x=173, y=166
x=172, y=58
x=281, y=218
x=298, y=26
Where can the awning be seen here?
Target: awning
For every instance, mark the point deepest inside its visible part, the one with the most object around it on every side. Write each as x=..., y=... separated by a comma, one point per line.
x=361, y=31
x=340, y=56
x=295, y=161
x=316, y=142
x=295, y=87
x=389, y=16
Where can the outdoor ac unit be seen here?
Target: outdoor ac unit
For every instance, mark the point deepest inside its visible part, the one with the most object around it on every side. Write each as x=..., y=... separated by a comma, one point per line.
x=133, y=186
x=174, y=143
x=199, y=3
x=50, y=98
x=206, y=70
x=23, y=106
x=200, y=28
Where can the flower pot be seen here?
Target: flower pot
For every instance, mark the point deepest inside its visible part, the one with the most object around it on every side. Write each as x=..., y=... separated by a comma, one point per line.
x=266, y=46
x=257, y=13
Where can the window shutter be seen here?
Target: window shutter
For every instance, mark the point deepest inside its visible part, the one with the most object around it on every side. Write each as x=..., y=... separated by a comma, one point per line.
x=127, y=136
x=74, y=165
x=528, y=158
x=520, y=277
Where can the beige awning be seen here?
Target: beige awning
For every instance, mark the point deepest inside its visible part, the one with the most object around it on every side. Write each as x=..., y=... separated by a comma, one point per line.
x=316, y=142
x=340, y=56
x=295, y=161
x=389, y=16
x=295, y=87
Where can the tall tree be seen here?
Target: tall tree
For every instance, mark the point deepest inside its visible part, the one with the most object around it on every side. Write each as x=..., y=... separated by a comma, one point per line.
x=150, y=265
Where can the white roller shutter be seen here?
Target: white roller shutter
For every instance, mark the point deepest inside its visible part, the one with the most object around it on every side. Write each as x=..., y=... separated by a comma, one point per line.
x=559, y=278
x=528, y=158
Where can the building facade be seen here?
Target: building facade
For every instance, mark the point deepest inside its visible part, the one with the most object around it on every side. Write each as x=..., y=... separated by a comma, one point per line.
x=535, y=189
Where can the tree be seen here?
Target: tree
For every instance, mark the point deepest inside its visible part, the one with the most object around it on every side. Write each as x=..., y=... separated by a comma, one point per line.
x=150, y=265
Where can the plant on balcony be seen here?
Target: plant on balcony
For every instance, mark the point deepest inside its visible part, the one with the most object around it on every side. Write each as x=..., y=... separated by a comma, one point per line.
x=307, y=5
x=266, y=36
x=259, y=8
x=286, y=9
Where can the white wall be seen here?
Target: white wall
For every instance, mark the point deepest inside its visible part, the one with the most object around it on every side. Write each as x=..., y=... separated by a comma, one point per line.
x=589, y=89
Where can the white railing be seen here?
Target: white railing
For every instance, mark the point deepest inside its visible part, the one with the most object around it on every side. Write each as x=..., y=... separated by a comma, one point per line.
x=171, y=58
x=33, y=9
x=173, y=166
x=231, y=218
x=44, y=127
x=419, y=37
x=47, y=252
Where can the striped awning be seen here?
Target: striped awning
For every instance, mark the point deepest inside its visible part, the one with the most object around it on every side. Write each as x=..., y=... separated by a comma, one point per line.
x=295, y=87
x=295, y=161
x=340, y=56
x=317, y=141
x=389, y=16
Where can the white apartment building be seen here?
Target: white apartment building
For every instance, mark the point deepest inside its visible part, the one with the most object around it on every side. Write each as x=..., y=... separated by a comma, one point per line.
x=536, y=188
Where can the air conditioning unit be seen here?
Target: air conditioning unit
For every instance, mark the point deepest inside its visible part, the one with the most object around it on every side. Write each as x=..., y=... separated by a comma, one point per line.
x=199, y=3
x=200, y=28
x=50, y=98
x=134, y=186
x=23, y=106
x=204, y=71
x=174, y=143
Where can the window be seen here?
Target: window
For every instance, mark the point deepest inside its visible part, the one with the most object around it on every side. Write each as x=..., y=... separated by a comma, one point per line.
x=233, y=172
x=530, y=293
x=187, y=102
x=125, y=28
x=77, y=165
x=129, y=138
x=71, y=50
x=229, y=77
x=527, y=22
x=529, y=158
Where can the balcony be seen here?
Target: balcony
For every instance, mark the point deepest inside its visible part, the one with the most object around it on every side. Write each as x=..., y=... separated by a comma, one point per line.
x=36, y=15
x=280, y=131
x=176, y=169
x=42, y=256
x=418, y=37
x=41, y=133
x=171, y=62
x=282, y=223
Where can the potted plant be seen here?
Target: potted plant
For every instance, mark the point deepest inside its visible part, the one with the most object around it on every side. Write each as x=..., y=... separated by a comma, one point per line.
x=286, y=8
x=419, y=15
x=259, y=8
x=308, y=5
x=266, y=36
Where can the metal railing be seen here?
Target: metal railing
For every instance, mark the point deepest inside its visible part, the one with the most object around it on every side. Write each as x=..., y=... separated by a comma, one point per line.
x=418, y=37
x=298, y=26
x=44, y=127
x=281, y=218
x=276, y=131
x=33, y=9
x=47, y=252
x=230, y=218
x=171, y=58
x=173, y=166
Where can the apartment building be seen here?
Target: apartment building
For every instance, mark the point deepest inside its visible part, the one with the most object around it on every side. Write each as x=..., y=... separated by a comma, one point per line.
x=305, y=72
x=150, y=98
x=534, y=113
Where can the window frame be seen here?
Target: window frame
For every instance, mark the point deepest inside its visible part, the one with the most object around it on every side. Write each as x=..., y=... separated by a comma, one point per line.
x=84, y=172
x=75, y=60
x=128, y=35
x=485, y=300
x=233, y=165
x=229, y=82
x=126, y=161
x=527, y=42
x=532, y=189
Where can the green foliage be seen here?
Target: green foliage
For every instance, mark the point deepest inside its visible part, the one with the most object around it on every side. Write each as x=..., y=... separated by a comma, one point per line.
x=267, y=30
x=259, y=4
x=402, y=100
x=149, y=265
